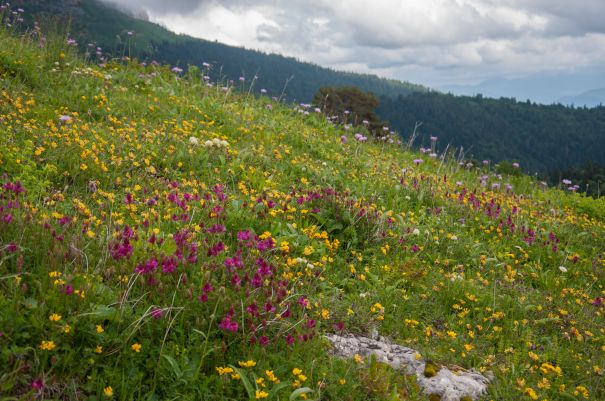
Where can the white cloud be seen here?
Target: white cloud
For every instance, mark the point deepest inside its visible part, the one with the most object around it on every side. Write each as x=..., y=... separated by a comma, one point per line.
x=428, y=41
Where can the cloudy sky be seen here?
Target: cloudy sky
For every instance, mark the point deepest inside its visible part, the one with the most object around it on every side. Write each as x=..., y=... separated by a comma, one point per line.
x=433, y=42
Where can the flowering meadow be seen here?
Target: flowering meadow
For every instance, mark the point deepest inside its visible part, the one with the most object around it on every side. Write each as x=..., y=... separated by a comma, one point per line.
x=166, y=237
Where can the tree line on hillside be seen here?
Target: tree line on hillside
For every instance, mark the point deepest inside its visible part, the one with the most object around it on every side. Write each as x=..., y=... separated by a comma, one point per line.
x=298, y=81
x=541, y=138
x=456, y=122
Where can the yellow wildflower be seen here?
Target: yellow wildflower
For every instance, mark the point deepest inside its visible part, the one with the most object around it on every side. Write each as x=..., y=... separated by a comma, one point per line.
x=224, y=370
x=47, y=345
x=54, y=317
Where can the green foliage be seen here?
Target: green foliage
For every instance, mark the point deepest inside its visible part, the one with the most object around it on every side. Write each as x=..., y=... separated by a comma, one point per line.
x=380, y=381
x=542, y=138
x=350, y=106
x=589, y=177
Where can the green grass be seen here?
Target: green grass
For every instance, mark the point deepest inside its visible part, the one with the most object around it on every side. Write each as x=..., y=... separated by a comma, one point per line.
x=137, y=262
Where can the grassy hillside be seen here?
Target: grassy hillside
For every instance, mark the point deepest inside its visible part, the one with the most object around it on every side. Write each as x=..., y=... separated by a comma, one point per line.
x=543, y=138
x=165, y=239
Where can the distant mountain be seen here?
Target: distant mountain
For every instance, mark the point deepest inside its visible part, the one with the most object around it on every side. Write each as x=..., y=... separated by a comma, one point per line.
x=108, y=27
x=590, y=98
x=541, y=88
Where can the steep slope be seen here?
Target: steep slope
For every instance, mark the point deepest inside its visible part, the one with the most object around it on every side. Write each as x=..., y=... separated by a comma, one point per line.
x=542, y=138
x=163, y=238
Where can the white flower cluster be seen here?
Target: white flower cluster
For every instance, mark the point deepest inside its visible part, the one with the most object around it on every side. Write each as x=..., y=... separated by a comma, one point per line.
x=216, y=143
x=302, y=261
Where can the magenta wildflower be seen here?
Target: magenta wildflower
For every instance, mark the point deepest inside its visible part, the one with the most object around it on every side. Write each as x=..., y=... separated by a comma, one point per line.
x=157, y=313
x=228, y=325
x=265, y=244
x=216, y=249
x=302, y=301
x=68, y=289
x=243, y=235
x=216, y=229
x=252, y=309
x=121, y=250
x=169, y=264
x=38, y=384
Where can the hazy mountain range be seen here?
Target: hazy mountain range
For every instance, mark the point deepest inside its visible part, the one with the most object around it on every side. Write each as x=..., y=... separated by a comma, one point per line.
x=583, y=87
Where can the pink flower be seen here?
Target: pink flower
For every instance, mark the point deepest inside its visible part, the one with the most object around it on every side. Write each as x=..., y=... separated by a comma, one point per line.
x=157, y=313
x=243, y=235
x=228, y=325
x=38, y=384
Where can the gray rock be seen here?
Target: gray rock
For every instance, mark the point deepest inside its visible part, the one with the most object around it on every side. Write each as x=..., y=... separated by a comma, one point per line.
x=450, y=385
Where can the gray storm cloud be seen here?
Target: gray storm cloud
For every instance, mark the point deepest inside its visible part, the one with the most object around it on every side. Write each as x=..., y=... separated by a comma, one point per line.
x=395, y=37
